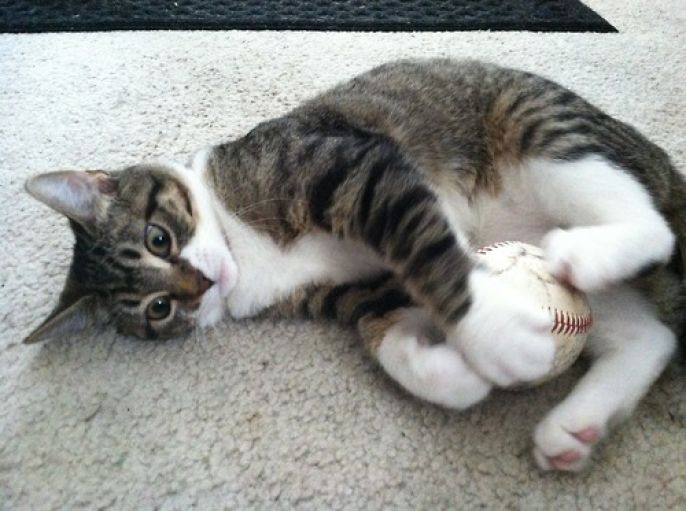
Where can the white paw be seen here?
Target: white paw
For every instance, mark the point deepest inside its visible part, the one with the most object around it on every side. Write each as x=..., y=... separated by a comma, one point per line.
x=585, y=258
x=504, y=336
x=565, y=442
x=436, y=373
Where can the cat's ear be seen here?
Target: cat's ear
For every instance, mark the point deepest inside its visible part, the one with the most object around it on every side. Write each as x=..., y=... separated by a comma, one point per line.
x=67, y=318
x=76, y=194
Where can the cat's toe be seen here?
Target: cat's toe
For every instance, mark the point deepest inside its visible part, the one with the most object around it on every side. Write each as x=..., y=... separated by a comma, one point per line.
x=589, y=435
x=570, y=460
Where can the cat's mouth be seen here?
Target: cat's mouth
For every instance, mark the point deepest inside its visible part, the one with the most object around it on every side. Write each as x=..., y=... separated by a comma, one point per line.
x=213, y=301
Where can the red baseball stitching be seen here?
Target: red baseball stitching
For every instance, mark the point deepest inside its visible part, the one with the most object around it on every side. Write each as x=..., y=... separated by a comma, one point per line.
x=490, y=248
x=564, y=322
x=567, y=323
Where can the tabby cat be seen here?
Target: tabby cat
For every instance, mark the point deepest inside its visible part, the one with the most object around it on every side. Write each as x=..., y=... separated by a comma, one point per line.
x=365, y=203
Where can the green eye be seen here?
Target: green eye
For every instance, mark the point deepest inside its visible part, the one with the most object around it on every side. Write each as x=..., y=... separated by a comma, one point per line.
x=158, y=308
x=157, y=240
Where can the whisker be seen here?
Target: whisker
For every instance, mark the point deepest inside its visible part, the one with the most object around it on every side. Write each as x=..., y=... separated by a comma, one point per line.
x=259, y=221
x=238, y=188
x=254, y=205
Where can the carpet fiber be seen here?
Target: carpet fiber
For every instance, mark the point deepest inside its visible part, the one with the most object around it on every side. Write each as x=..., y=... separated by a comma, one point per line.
x=262, y=414
x=376, y=15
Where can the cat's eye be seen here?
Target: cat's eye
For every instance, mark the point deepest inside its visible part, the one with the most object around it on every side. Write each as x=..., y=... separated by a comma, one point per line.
x=159, y=308
x=157, y=240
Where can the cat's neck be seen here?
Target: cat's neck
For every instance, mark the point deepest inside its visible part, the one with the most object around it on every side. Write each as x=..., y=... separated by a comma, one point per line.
x=258, y=258
x=268, y=270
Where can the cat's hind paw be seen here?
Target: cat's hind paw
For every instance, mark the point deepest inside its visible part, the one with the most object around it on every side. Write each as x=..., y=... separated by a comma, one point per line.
x=564, y=449
x=436, y=373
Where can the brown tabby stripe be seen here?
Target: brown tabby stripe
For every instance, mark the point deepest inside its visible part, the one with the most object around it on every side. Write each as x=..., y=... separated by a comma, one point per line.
x=329, y=305
x=405, y=243
x=376, y=172
x=127, y=253
x=357, y=304
x=152, y=199
x=378, y=306
x=346, y=159
x=528, y=134
x=391, y=202
x=422, y=259
x=549, y=137
x=576, y=152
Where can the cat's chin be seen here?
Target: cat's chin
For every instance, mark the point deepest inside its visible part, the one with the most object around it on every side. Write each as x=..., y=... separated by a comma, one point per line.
x=212, y=307
x=213, y=302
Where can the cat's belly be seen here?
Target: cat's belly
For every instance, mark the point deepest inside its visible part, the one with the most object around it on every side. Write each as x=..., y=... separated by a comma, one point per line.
x=515, y=214
x=508, y=218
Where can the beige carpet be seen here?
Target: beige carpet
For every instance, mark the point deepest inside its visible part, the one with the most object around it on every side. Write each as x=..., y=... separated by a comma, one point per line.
x=280, y=415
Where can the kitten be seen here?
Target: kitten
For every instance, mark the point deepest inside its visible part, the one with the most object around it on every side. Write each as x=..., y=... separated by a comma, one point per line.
x=365, y=204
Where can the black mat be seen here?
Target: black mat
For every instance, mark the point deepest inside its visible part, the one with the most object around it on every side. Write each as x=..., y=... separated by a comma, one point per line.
x=372, y=15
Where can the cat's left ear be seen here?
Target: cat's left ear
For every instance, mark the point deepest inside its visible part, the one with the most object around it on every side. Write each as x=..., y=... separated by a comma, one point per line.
x=69, y=317
x=77, y=194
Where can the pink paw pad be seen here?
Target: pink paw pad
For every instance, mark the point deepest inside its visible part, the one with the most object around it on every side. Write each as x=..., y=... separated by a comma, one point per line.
x=588, y=436
x=562, y=460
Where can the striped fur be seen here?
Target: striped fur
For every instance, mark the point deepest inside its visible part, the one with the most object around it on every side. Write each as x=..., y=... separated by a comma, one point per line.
x=367, y=305
x=361, y=161
x=362, y=206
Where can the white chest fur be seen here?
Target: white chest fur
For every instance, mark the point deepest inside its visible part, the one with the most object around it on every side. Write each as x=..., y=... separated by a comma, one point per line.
x=268, y=272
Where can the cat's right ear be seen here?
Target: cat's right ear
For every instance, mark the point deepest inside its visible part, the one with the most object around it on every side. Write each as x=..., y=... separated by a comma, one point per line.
x=76, y=194
x=67, y=318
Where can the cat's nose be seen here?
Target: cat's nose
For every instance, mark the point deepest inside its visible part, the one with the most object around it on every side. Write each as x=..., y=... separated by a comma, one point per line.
x=188, y=281
x=203, y=283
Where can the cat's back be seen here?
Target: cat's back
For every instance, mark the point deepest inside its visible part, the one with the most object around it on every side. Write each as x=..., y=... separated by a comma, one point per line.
x=475, y=118
x=446, y=114
x=408, y=95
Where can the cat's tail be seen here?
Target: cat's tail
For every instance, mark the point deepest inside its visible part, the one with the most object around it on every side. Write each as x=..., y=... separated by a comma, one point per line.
x=669, y=284
x=678, y=267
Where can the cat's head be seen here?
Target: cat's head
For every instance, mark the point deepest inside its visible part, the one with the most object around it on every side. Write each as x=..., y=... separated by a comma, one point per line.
x=149, y=256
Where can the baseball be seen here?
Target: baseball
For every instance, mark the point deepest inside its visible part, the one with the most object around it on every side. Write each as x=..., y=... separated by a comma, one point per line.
x=524, y=267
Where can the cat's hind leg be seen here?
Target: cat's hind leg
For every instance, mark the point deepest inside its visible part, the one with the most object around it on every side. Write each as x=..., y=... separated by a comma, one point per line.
x=398, y=334
x=612, y=229
x=630, y=348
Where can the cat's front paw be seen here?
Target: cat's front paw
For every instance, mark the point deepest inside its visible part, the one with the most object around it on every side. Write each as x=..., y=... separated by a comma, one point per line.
x=564, y=443
x=504, y=336
x=578, y=257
